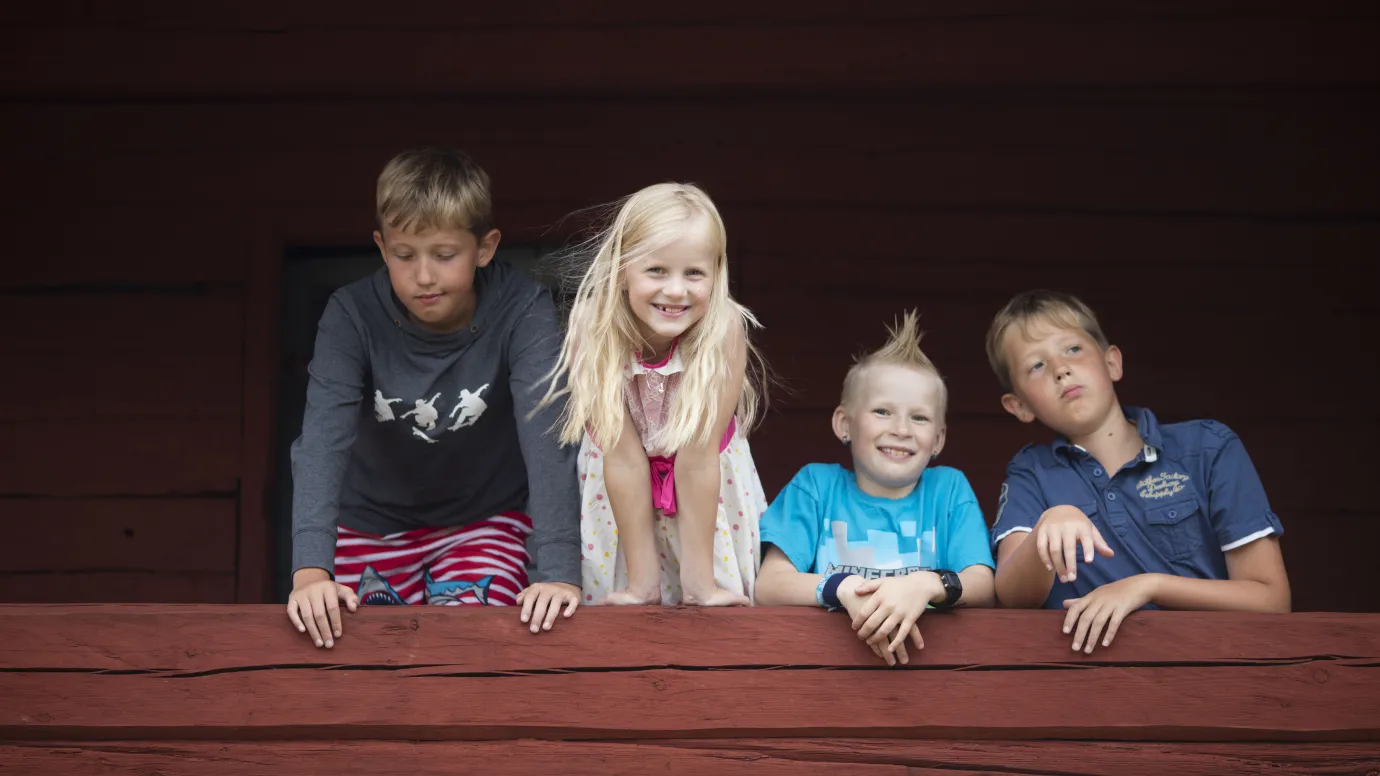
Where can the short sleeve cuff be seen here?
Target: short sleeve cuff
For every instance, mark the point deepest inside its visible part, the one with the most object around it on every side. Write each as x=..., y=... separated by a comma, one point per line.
x=1255, y=529
x=802, y=564
x=1245, y=540
x=1014, y=529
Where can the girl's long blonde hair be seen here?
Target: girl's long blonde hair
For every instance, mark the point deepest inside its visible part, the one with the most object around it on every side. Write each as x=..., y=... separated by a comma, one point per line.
x=602, y=332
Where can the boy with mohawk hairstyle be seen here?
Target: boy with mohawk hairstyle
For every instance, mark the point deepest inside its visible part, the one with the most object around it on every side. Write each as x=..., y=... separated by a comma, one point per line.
x=418, y=450
x=1176, y=511
x=895, y=535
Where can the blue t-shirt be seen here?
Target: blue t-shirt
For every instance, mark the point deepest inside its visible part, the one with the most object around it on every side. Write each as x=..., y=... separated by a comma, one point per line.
x=824, y=523
x=1187, y=499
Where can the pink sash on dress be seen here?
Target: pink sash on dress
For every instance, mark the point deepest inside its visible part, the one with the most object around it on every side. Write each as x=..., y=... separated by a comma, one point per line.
x=663, y=468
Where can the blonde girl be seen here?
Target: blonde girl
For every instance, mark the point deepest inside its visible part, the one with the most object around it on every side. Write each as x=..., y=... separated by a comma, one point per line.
x=660, y=375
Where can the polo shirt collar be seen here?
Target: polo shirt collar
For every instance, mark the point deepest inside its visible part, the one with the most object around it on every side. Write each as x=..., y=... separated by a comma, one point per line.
x=1146, y=425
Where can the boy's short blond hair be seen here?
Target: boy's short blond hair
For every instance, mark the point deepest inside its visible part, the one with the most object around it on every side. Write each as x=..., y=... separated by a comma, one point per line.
x=1061, y=309
x=901, y=349
x=434, y=188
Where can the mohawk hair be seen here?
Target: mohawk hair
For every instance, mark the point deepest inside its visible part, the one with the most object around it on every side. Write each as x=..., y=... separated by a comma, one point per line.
x=902, y=348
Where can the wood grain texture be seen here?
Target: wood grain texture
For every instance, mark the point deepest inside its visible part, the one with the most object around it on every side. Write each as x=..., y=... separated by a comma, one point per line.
x=1304, y=702
x=219, y=690
x=423, y=758
x=870, y=757
x=492, y=641
x=1074, y=758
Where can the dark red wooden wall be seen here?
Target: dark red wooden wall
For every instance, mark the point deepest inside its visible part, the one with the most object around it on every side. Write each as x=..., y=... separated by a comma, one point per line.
x=1203, y=173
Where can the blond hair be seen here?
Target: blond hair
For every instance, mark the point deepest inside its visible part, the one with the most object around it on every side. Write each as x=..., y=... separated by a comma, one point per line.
x=603, y=332
x=902, y=348
x=434, y=188
x=1065, y=311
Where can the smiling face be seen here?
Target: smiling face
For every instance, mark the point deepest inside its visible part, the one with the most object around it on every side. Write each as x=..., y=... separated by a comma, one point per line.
x=1060, y=377
x=669, y=289
x=432, y=273
x=893, y=424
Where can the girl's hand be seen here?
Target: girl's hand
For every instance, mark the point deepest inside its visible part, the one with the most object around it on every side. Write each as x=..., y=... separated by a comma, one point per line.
x=542, y=602
x=314, y=606
x=718, y=597
x=627, y=597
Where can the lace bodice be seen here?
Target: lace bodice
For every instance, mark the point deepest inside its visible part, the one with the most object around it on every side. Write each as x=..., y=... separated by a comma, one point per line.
x=649, y=391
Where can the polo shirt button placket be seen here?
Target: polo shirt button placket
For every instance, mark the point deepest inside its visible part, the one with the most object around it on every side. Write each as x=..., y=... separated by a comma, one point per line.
x=1116, y=517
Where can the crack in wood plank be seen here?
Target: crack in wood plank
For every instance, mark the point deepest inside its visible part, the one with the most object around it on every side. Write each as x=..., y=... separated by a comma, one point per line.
x=440, y=670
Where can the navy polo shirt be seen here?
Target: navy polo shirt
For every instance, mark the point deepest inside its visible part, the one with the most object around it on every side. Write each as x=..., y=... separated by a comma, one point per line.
x=1190, y=496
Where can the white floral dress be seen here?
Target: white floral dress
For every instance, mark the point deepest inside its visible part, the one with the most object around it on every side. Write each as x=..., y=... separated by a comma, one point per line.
x=650, y=389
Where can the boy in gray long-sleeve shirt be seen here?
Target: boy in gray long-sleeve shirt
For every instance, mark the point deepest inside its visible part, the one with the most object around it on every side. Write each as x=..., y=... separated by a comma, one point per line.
x=417, y=455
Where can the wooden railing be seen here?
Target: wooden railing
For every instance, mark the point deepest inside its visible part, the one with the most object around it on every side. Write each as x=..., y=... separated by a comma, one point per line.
x=126, y=689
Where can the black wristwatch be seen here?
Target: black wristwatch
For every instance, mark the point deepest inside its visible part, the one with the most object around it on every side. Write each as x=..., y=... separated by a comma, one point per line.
x=953, y=587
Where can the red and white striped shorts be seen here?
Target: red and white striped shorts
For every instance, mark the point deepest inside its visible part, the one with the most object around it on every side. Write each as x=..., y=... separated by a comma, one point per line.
x=483, y=563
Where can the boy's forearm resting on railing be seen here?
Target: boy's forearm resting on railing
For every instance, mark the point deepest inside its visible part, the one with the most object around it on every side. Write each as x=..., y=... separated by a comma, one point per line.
x=780, y=584
x=1257, y=583
x=979, y=587
x=1239, y=595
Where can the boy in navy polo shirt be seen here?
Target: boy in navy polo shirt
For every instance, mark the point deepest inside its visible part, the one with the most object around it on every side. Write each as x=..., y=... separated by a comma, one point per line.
x=1176, y=512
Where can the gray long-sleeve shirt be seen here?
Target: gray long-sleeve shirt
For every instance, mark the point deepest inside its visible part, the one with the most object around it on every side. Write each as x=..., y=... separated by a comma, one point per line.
x=407, y=429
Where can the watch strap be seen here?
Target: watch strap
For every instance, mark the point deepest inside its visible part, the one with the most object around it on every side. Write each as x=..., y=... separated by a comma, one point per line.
x=953, y=588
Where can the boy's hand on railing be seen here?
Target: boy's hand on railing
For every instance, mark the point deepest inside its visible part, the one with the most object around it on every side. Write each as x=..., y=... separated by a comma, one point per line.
x=1106, y=607
x=1057, y=535
x=853, y=603
x=314, y=605
x=893, y=607
x=542, y=602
